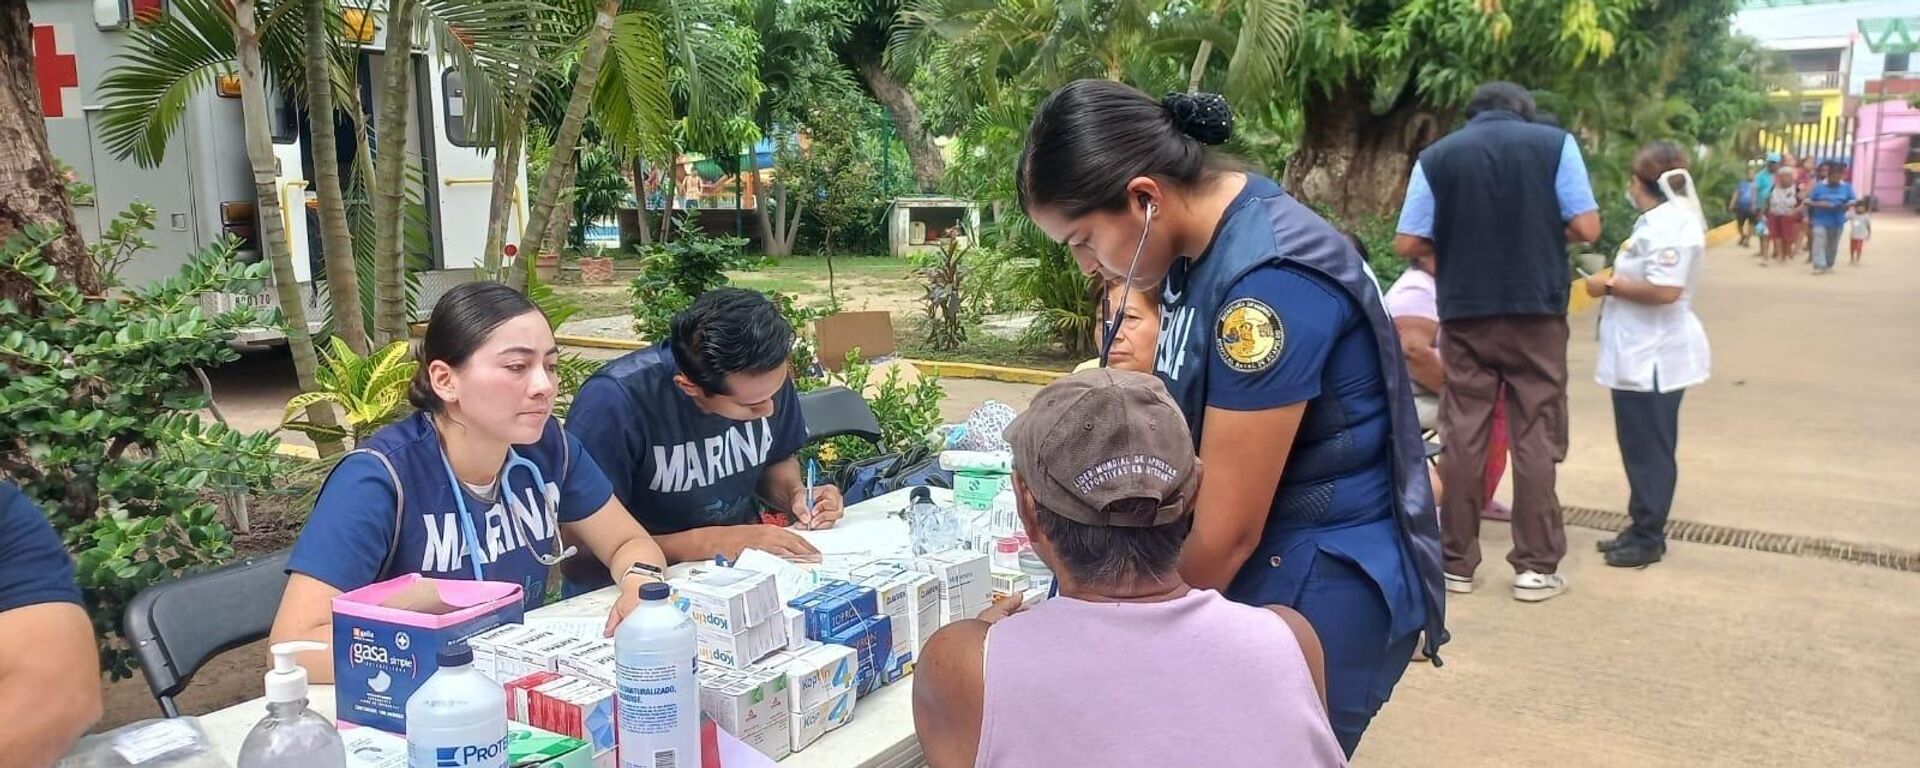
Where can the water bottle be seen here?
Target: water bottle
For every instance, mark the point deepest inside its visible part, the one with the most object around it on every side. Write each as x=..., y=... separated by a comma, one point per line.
x=291, y=735
x=658, y=697
x=458, y=718
x=933, y=528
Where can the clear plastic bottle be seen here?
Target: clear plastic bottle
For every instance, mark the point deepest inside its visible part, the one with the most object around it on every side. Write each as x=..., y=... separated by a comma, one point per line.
x=458, y=718
x=658, y=697
x=291, y=735
x=933, y=528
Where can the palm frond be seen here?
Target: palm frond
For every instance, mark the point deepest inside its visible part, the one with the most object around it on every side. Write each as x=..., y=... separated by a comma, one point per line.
x=632, y=101
x=144, y=96
x=1266, y=44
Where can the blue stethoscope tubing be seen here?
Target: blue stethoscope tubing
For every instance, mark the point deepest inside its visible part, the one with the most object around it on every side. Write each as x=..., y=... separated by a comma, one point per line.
x=467, y=529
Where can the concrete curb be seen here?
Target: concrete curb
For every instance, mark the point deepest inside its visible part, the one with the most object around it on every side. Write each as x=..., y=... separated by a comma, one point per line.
x=1723, y=234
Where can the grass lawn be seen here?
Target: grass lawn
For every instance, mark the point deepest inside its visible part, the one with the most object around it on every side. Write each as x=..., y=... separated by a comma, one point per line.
x=980, y=347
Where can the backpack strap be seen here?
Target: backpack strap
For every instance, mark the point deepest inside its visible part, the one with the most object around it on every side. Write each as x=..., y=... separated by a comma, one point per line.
x=399, y=505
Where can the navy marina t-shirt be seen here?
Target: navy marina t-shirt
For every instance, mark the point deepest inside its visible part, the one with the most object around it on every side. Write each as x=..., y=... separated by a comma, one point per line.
x=674, y=466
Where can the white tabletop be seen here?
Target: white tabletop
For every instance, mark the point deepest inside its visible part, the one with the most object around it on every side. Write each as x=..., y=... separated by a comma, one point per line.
x=879, y=736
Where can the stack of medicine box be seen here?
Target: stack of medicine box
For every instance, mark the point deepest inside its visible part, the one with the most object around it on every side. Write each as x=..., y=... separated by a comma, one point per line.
x=844, y=613
x=737, y=615
x=568, y=706
x=963, y=576
x=754, y=705
x=529, y=663
x=820, y=688
x=912, y=600
x=513, y=651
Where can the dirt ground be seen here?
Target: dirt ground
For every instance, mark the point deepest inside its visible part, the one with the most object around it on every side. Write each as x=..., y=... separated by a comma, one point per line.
x=1716, y=656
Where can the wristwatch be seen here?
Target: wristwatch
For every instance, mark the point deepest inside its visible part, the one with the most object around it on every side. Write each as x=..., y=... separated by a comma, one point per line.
x=646, y=569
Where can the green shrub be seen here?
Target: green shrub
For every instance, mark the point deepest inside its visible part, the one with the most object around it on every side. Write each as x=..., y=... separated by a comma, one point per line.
x=673, y=274
x=98, y=424
x=908, y=413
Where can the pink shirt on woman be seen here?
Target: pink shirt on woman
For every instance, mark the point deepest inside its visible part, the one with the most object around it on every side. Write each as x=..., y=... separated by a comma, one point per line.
x=1197, y=680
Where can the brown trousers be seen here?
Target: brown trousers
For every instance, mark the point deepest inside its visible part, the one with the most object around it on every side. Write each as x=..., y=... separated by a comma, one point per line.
x=1529, y=354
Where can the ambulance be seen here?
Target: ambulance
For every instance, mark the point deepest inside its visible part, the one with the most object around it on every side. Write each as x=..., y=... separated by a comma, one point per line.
x=203, y=187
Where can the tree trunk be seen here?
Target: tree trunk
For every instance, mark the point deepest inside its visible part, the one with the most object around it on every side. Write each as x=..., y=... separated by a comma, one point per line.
x=672, y=196
x=569, y=136
x=343, y=280
x=771, y=242
x=506, y=175
x=1353, y=162
x=32, y=191
x=640, y=199
x=390, y=174
x=273, y=230
x=555, y=239
x=928, y=166
x=1199, y=66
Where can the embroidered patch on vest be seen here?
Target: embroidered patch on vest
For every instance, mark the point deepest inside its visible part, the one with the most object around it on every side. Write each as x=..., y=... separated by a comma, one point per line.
x=1250, y=336
x=1668, y=257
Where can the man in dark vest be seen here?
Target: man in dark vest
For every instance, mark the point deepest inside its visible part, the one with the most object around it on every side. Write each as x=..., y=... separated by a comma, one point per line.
x=1495, y=204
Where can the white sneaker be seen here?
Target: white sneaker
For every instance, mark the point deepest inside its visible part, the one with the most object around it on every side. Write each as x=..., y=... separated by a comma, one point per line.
x=1531, y=587
x=1459, y=585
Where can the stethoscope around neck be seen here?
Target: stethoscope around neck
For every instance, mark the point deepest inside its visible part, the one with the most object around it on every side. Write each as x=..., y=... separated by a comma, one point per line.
x=555, y=555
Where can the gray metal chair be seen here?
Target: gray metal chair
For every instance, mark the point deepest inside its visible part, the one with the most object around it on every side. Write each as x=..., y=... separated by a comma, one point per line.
x=176, y=626
x=835, y=411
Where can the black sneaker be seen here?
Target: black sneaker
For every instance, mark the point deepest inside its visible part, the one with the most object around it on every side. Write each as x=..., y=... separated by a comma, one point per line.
x=1609, y=545
x=1634, y=555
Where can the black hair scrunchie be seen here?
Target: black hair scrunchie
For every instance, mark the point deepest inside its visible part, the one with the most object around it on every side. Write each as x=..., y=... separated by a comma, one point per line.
x=1204, y=116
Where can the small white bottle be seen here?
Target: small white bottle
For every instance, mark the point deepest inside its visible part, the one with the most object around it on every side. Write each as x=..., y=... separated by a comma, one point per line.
x=658, y=697
x=292, y=735
x=458, y=718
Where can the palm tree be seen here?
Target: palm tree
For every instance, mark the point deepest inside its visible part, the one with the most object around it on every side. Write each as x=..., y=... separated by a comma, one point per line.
x=336, y=240
x=31, y=187
x=595, y=52
x=390, y=172
x=273, y=231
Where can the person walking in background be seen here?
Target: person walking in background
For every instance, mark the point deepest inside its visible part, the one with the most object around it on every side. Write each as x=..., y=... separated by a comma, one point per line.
x=1741, y=205
x=1416, y=315
x=1652, y=346
x=1827, y=204
x=1762, y=193
x=1494, y=204
x=1783, y=215
x=1803, y=180
x=1860, y=227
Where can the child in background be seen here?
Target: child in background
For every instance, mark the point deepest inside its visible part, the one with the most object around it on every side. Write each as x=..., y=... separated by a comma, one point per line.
x=1860, y=228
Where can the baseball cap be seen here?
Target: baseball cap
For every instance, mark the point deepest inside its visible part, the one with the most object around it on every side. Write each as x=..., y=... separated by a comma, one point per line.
x=1773, y=157
x=1100, y=436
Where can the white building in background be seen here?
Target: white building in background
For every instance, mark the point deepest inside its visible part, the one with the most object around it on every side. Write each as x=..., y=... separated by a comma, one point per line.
x=1831, y=65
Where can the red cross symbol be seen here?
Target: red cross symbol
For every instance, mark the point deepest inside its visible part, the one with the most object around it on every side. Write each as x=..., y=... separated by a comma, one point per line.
x=56, y=71
x=148, y=11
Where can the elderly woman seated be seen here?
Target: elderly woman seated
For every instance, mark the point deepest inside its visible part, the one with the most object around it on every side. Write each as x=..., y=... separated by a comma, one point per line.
x=1138, y=313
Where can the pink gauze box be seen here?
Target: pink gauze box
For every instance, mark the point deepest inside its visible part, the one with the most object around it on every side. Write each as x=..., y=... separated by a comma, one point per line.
x=381, y=655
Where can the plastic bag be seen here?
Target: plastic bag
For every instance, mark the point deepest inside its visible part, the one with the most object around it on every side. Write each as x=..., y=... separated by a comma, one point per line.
x=177, y=742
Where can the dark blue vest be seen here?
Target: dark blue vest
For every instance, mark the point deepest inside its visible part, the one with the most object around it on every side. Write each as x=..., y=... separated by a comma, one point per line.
x=1270, y=227
x=1500, y=245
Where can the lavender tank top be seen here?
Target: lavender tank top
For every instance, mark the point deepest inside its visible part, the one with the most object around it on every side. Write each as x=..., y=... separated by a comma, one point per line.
x=1198, y=680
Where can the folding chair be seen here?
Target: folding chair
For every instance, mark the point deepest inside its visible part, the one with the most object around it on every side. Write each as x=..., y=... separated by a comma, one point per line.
x=836, y=411
x=176, y=626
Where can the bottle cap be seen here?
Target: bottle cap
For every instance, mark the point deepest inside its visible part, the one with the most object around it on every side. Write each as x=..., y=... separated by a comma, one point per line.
x=654, y=590
x=920, y=494
x=1007, y=545
x=287, y=681
x=456, y=655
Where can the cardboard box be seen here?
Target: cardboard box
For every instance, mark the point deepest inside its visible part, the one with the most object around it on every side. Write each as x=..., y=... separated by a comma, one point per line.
x=1007, y=583
x=527, y=654
x=872, y=642
x=484, y=647
x=927, y=610
x=773, y=739
x=745, y=702
x=837, y=334
x=835, y=606
x=728, y=600
x=382, y=655
x=741, y=650
x=518, y=706
x=796, y=628
x=895, y=595
x=815, y=673
x=527, y=747
x=815, y=721
x=596, y=663
x=964, y=580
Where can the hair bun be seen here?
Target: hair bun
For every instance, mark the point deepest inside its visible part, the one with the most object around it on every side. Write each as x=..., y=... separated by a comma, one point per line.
x=1204, y=116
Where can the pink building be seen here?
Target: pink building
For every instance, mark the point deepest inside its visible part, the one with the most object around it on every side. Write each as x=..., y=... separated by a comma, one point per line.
x=1886, y=141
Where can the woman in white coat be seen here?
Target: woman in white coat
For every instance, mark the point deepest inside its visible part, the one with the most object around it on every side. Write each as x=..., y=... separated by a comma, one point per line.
x=1652, y=346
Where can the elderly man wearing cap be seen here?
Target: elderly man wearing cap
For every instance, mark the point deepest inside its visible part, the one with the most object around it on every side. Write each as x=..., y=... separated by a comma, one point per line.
x=1129, y=665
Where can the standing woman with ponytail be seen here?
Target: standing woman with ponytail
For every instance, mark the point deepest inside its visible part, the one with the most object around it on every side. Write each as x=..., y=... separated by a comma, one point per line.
x=479, y=483
x=1652, y=346
x=1274, y=342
